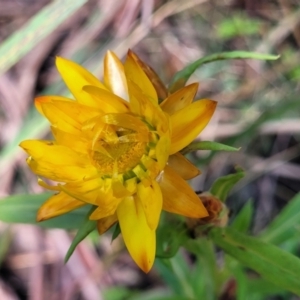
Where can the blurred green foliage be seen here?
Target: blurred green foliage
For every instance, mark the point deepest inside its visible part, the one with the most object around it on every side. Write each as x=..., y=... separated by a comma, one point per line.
x=238, y=25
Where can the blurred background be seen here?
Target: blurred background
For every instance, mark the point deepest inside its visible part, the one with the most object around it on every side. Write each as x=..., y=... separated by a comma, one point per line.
x=258, y=110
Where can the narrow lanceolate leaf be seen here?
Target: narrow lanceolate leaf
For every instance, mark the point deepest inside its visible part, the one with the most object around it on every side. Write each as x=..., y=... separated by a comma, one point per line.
x=222, y=186
x=286, y=225
x=36, y=29
x=207, y=145
x=84, y=230
x=271, y=262
x=116, y=232
x=23, y=209
x=205, y=268
x=180, y=78
x=242, y=221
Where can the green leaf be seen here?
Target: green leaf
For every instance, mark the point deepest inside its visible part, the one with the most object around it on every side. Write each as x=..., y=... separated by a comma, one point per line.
x=237, y=270
x=248, y=286
x=271, y=262
x=84, y=230
x=222, y=186
x=263, y=289
x=243, y=219
x=35, y=30
x=167, y=273
x=116, y=232
x=23, y=209
x=286, y=225
x=182, y=270
x=207, y=145
x=180, y=78
x=205, y=275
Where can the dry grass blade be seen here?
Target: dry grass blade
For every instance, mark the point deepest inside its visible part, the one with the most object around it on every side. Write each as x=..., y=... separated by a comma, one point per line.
x=35, y=30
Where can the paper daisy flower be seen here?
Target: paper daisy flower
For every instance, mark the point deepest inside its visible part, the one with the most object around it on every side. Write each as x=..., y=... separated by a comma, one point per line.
x=116, y=148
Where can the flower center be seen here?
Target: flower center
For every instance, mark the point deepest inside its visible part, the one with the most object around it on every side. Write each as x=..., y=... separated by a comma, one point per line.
x=119, y=143
x=117, y=157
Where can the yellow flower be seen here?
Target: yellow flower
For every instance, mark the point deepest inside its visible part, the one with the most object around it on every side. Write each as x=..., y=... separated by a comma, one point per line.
x=116, y=148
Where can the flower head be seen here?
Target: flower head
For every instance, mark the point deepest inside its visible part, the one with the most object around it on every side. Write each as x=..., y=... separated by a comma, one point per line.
x=117, y=148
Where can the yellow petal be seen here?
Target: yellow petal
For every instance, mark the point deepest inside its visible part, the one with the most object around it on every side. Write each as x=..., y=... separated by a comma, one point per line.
x=107, y=101
x=182, y=166
x=151, y=199
x=78, y=143
x=180, y=99
x=78, y=112
x=92, y=129
x=57, y=205
x=131, y=185
x=142, y=175
x=126, y=121
x=90, y=191
x=68, y=116
x=187, y=123
x=118, y=188
x=76, y=77
x=57, y=162
x=60, y=119
x=162, y=151
x=140, y=105
x=48, y=151
x=48, y=186
x=138, y=237
x=135, y=73
x=159, y=86
x=151, y=165
x=38, y=101
x=104, y=211
x=61, y=173
x=114, y=75
x=178, y=197
x=104, y=224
